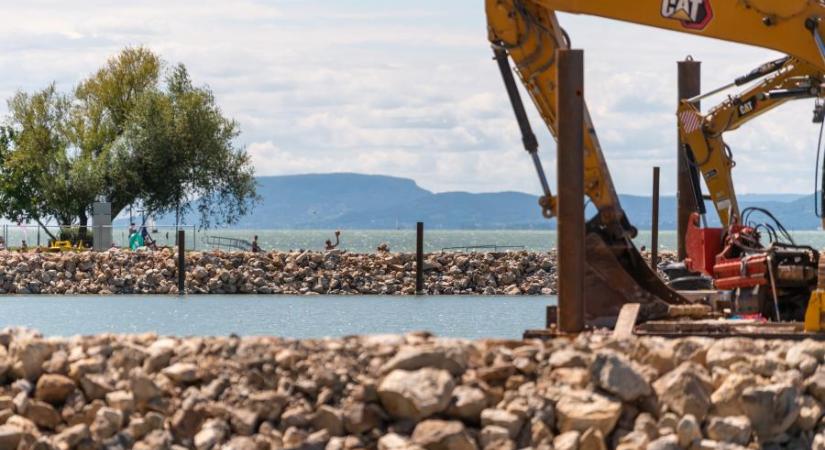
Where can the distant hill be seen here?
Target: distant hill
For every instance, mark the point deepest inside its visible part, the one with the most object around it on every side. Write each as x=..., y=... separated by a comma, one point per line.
x=346, y=200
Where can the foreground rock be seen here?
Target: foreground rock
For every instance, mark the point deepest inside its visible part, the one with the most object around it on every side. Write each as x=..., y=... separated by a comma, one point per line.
x=408, y=392
x=308, y=273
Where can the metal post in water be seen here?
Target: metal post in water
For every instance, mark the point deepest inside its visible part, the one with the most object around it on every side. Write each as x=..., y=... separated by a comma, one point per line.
x=690, y=86
x=654, y=224
x=570, y=161
x=181, y=262
x=419, y=258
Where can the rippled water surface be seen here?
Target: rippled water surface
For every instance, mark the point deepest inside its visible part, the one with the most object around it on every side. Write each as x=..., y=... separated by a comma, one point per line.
x=364, y=241
x=295, y=317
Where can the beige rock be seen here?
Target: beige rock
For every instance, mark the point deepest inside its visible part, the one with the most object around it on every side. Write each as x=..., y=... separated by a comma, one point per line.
x=360, y=418
x=580, y=410
x=592, y=439
x=417, y=394
x=467, y=403
x=492, y=433
x=809, y=413
x=43, y=414
x=54, y=389
x=330, y=419
x=685, y=390
x=726, y=399
x=182, y=373
x=28, y=356
x=211, y=434
x=108, y=421
x=244, y=421
x=121, y=400
x=72, y=436
x=567, y=441
x=95, y=386
x=442, y=435
x=10, y=436
x=504, y=419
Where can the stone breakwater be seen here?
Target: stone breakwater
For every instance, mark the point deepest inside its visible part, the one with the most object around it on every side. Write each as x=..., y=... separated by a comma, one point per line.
x=335, y=272
x=412, y=392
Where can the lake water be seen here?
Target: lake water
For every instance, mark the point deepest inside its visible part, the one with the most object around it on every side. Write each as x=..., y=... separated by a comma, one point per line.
x=365, y=241
x=287, y=316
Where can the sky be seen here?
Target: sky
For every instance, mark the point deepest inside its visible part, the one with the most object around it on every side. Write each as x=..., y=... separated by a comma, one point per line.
x=407, y=89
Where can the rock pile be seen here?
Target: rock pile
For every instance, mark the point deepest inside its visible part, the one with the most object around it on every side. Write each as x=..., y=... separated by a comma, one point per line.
x=309, y=273
x=412, y=392
x=271, y=273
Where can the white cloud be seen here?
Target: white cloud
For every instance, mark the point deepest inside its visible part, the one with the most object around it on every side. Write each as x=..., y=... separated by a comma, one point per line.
x=405, y=89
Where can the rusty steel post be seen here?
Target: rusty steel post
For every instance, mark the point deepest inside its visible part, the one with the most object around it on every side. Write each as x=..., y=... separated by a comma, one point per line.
x=181, y=262
x=571, y=190
x=654, y=223
x=419, y=258
x=690, y=85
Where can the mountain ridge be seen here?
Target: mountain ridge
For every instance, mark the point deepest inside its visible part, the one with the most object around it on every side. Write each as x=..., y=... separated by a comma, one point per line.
x=358, y=201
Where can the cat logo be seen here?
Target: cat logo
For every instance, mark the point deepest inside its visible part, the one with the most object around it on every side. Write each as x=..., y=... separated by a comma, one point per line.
x=694, y=14
x=747, y=107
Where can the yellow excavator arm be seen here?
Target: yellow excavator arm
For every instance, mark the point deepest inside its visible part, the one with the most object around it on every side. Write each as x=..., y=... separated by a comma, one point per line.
x=528, y=33
x=784, y=79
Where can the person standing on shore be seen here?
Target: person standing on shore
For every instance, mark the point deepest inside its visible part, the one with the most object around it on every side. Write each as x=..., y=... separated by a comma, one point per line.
x=330, y=245
x=255, y=247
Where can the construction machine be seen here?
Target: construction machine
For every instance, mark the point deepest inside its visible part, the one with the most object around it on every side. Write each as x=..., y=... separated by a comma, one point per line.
x=773, y=280
x=527, y=32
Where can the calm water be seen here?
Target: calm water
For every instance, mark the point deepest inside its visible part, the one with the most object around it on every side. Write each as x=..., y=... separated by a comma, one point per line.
x=295, y=317
x=364, y=241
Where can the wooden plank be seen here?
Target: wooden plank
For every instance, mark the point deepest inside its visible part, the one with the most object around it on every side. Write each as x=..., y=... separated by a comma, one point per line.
x=627, y=321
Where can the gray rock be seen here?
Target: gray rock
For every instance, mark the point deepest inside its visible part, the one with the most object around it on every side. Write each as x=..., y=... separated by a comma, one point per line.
x=736, y=429
x=688, y=431
x=616, y=375
x=771, y=409
x=414, y=358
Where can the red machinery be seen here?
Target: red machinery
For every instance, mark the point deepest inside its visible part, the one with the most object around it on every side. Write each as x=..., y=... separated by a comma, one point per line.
x=736, y=261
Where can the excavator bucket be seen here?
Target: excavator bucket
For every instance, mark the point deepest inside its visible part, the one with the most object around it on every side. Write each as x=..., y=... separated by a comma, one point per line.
x=616, y=274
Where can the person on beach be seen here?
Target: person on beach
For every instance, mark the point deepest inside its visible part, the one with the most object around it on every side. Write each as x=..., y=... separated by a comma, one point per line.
x=330, y=245
x=255, y=247
x=148, y=241
x=24, y=247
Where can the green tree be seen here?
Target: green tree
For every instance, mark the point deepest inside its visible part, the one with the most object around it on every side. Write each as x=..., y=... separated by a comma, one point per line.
x=133, y=132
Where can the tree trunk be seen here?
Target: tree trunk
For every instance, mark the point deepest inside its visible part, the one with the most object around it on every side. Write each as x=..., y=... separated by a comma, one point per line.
x=84, y=221
x=51, y=236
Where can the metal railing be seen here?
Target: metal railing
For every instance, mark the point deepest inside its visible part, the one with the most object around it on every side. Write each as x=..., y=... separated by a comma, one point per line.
x=492, y=247
x=227, y=242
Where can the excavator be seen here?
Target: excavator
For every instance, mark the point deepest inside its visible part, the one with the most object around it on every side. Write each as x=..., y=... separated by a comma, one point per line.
x=527, y=32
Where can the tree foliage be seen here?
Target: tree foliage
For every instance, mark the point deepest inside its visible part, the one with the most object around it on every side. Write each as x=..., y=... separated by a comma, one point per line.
x=132, y=132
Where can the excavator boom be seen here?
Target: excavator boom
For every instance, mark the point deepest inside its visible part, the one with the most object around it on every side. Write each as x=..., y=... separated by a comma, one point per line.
x=616, y=273
x=528, y=32
x=786, y=26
